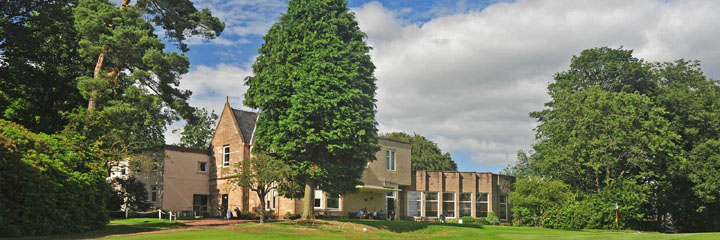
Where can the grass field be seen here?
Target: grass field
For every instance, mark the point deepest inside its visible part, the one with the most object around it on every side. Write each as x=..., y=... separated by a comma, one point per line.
x=353, y=229
x=123, y=226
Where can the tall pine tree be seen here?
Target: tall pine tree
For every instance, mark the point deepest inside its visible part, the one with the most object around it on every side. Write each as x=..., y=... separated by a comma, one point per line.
x=313, y=83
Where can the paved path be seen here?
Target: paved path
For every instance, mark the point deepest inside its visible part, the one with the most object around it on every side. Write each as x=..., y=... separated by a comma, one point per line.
x=192, y=225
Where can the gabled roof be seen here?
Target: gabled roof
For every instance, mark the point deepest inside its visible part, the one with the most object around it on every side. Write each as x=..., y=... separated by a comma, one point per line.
x=246, y=123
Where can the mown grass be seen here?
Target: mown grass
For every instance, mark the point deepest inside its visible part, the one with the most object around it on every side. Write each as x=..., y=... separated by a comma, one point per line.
x=373, y=229
x=120, y=226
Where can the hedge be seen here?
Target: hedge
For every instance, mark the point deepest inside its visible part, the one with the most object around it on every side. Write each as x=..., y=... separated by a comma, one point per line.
x=51, y=184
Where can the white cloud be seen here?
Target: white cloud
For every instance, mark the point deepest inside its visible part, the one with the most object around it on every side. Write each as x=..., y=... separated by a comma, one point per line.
x=468, y=80
x=210, y=86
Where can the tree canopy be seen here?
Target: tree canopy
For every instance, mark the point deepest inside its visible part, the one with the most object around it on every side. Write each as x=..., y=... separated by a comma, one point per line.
x=425, y=155
x=314, y=86
x=641, y=134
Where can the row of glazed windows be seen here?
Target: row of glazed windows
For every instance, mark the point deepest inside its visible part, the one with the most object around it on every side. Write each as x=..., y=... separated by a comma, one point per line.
x=465, y=201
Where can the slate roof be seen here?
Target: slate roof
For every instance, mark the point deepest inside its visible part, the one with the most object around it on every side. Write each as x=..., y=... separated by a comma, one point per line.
x=246, y=122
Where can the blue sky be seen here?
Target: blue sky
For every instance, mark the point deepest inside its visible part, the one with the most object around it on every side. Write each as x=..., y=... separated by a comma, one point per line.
x=465, y=73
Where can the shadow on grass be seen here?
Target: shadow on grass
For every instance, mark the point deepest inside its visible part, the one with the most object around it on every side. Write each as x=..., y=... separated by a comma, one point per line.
x=120, y=227
x=404, y=226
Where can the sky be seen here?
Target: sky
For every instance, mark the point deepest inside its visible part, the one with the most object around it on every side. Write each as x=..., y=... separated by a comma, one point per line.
x=464, y=73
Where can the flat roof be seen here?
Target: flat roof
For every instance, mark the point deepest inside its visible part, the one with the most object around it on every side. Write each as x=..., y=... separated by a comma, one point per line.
x=184, y=149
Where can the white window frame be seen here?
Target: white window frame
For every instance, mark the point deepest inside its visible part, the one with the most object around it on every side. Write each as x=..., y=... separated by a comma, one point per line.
x=454, y=194
x=486, y=202
x=332, y=208
x=394, y=196
x=419, y=202
x=430, y=202
x=270, y=199
x=318, y=195
x=390, y=160
x=505, y=208
x=461, y=202
x=226, y=156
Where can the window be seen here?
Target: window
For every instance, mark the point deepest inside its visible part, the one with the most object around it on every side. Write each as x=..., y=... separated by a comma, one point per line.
x=318, y=199
x=153, y=193
x=431, y=209
x=270, y=199
x=390, y=200
x=414, y=204
x=481, y=210
x=202, y=166
x=465, y=204
x=390, y=160
x=200, y=205
x=449, y=204
x=226, y=156
x=503, y=209
x=332, y=202
x=123, y=171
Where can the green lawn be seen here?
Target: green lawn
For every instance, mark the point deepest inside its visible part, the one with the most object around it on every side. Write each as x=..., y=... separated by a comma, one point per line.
x=353, y=229
x=121, y=226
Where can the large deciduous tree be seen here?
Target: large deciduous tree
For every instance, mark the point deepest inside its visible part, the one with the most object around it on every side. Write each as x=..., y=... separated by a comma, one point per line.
x=426, y=155
x=262, y=174
x=39, y=61
x=314, y=86
x=640, y=133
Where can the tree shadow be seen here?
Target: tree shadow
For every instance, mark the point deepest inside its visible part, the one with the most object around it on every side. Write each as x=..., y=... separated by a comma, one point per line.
x=404, y=226
x=113, y=229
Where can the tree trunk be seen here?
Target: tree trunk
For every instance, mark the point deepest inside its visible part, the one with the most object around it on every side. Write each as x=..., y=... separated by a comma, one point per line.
x=309, y=200
x=92, y=102
x=261, y=196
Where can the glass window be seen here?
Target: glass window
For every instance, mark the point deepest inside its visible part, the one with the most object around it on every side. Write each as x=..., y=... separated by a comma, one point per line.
x=123, y=171
x=153, y=193
x=465, y=204
x=202, y=167
x=449, y=204
x=503, y=209
x=270, y=200
x=390, y=160
x=481, y=210
x=333, y=201
x=226, y=156
x=318, y=199
x=431, y=204
x=414, y=204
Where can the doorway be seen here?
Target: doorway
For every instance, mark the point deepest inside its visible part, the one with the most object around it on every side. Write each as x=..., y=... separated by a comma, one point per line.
x=390, y=204
x=224, y=206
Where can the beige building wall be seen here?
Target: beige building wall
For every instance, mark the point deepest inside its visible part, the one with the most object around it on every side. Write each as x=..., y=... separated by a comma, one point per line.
x=182, y=178
x=473, y=183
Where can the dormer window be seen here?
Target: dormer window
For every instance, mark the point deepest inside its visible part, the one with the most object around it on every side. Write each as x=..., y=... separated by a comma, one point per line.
x=226, y=156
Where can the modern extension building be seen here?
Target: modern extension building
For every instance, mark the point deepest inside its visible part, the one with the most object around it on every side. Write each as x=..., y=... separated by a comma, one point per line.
x=199, y=181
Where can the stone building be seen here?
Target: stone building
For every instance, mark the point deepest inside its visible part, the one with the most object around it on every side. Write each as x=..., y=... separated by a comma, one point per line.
x=198, y=181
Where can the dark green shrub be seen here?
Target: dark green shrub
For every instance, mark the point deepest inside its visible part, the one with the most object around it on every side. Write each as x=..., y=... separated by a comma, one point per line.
x=50, y=184
x=246, y=215
x=468, y=219
x=292, y=216
x=491, y=219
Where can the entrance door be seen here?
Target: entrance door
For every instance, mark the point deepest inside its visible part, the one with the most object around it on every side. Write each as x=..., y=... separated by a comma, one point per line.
x=200, y=205
x=224, y=207
x=390, y=203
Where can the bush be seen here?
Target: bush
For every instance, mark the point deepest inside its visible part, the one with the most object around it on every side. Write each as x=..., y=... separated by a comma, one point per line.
x=491, y=219
x=292, y=216
x=468, y=219
x=246, y=215
x=51, y=184
x=533, y=196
